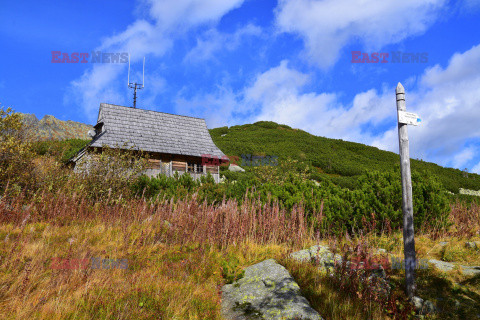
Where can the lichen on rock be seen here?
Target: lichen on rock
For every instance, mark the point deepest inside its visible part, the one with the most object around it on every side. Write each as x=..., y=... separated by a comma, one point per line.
x=266, y=291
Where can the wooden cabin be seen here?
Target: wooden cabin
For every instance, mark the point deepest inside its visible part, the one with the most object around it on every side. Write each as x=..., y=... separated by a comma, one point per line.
x=174, y=143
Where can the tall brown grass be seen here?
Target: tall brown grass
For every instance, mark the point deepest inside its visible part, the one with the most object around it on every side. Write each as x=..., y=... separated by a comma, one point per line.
x=465, y=219
x=181, y=222
x=179, y=254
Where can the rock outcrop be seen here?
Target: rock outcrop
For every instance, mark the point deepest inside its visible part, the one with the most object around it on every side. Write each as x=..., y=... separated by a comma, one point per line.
x=267, y=291
x=51, y=128
x=326, y=260
x=318, y=254
x=448, y=266
x=235, y=168
x=423, y=307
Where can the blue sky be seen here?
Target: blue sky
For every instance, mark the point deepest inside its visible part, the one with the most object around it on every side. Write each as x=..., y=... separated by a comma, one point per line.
x=240, y=61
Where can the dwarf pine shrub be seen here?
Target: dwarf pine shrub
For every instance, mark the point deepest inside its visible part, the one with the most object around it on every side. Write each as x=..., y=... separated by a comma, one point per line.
x=378, y=196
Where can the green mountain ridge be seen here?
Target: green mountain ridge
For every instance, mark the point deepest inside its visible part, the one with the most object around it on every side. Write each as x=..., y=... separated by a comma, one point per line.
x=338, y=160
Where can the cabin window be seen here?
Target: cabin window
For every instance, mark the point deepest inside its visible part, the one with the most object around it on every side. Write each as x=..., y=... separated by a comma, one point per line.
x=195, y=167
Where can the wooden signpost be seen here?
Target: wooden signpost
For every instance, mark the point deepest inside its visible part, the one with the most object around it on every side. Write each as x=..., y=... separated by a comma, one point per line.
x=404, y=119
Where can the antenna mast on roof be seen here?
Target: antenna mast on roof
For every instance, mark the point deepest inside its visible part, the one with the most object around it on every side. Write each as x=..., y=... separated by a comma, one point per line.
x=134, y=85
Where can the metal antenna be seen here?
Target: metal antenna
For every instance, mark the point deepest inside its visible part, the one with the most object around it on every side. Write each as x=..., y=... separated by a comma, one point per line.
x=133, y=85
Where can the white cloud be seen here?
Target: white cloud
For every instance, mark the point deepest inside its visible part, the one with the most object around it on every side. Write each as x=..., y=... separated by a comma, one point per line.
x=326, y=26
x=447, y=99
x=94, y=87
x=220, y=108
x=462, y=158
x=278, y=95
x=476, y=169
x=469, y=5
x=155, y=86
x=169, y=19
x=276, y=83
x=171, y=16
x=213, y=41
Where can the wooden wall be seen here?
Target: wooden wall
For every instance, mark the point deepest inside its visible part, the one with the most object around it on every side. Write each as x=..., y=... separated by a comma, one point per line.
x=168, y=164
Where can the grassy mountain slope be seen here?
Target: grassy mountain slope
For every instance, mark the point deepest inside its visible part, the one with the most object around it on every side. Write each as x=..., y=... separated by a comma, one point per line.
x=338, y=160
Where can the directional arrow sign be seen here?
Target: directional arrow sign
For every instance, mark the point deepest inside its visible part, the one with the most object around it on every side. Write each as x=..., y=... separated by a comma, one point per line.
x=408, y=118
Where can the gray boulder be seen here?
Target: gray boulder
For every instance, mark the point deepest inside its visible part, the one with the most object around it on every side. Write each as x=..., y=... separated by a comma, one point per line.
x=470, y=270
x=267, y=291
x=429, y=307
x=318, y=254
x=442, y=265
x=235, y=168
x=326, y=260
x=424, y=307
x=417, y=303
x=472, y=245
x=324, y=257
x=302, y=255
x=448, y=266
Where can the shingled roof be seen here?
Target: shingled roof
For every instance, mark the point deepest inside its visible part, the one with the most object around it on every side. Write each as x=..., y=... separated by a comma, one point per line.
x=153, y=131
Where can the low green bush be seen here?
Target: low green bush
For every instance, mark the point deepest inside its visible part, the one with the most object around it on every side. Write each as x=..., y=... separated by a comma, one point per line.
x=376, y=198
x=63, y=150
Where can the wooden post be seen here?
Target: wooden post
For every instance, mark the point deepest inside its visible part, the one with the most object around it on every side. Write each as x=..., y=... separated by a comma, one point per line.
x=407, y=206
